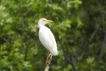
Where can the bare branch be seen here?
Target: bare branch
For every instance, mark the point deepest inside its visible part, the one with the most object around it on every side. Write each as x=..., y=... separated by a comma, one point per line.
x=84, y=47
x=102, y=9
x=103, y=46
x=71, y=60
x=103, y=13
x=26, y=51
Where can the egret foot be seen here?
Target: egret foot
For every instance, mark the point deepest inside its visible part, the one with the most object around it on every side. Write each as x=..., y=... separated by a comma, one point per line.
x=49, y=58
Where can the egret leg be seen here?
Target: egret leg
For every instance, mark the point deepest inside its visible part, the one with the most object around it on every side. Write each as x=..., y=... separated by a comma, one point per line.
x=48, y=61
x=49, y=58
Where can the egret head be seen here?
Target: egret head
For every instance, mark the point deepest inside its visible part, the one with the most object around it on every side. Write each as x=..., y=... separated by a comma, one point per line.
x=43, y=21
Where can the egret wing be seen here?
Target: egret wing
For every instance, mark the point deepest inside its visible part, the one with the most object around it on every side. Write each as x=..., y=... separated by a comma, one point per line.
x=47, y=39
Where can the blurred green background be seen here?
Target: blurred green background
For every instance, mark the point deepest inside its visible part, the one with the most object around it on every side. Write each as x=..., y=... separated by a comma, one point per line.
x=79, y=28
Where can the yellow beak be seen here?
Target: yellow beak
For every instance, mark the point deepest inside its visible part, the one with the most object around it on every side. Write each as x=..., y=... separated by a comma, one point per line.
x=49, y=21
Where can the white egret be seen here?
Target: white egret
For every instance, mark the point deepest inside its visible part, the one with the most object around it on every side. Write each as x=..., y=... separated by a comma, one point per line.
x=47, y=39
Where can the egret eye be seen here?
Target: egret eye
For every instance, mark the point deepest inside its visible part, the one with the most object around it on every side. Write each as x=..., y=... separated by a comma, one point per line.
x=44, y=20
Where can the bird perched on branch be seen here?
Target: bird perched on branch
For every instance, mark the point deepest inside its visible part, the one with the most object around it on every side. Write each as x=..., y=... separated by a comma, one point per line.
x=47, y=39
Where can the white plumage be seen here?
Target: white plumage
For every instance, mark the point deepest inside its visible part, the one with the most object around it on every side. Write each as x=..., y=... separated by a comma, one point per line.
x=46, y=37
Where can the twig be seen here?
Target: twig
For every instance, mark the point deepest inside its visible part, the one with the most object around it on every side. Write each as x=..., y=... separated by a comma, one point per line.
x=102, y=9
x=103, y=46
x=26, y=51
x=71, y=60
x=103, y=14
x=86, y=44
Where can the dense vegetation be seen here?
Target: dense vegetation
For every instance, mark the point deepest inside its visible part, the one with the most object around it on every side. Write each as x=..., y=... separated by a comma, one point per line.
x=79, y=27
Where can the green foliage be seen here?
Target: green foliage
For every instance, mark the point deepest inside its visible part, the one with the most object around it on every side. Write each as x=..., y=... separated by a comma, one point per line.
x=77, y=23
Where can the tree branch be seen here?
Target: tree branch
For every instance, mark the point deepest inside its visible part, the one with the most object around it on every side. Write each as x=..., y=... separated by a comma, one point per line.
x=26, y=51
x=86, y=44
x=102, y=9
x=71, y=60
x=103, y=14
x=103, y=46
